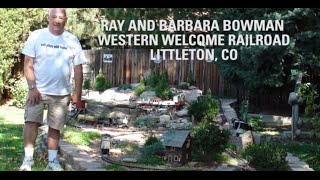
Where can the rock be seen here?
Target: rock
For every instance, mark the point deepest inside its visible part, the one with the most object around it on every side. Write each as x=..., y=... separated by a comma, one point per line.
x=183, y=112
x=257, y=137
x=192, y=95
x=164, y=119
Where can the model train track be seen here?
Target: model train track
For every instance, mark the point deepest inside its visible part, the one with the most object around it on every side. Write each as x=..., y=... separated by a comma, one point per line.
x=146, y=167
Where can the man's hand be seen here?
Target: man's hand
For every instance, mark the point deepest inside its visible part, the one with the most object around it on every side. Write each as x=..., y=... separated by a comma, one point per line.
x=75, y=98
x=34, y=97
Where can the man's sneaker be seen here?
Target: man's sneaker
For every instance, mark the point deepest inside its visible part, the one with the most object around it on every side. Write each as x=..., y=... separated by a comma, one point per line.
x=26, y=164
x=54, y=165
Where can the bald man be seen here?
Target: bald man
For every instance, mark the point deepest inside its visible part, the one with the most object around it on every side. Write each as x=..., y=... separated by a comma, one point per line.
x=50, y=56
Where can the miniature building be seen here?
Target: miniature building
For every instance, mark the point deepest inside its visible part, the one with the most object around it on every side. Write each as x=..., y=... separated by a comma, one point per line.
x=177, y=146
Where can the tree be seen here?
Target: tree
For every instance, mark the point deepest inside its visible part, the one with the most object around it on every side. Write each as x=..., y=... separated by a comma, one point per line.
x=15, y=27
x=265, y=70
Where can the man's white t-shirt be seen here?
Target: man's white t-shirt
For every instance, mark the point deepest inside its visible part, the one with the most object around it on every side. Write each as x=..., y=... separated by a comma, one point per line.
x=53, y=60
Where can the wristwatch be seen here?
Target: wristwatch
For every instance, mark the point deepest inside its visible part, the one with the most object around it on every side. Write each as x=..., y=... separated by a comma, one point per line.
x=32, y=86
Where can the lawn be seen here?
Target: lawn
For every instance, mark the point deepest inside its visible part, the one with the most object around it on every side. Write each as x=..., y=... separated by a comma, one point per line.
x=11, y=140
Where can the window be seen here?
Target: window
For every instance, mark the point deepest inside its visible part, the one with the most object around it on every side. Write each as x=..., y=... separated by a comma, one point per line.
x=176, y=158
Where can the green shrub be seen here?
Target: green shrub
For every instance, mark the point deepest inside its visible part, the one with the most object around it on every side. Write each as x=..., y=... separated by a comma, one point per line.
x=216, y=141
x=162, y=89
x=100, y=83
x=184, y=86
x=151, y=160
x=310, y=153
x=204, y=108
x=142, y=122
x=19, y=91
x=244, y=108
x=266, y=156
x=153, y=80
x=151, y=140
x=140, y=89
x=256, y=123
x=86, y=84
x=124, y=87
x=191, y=80
x=153, y=149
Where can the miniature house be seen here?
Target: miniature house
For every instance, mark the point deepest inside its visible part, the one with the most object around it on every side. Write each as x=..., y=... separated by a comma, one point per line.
x=177, y=145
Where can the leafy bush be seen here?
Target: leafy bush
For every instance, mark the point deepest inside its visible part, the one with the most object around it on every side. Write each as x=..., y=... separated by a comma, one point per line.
x=266, y=156
x=162, y=89
x=184, y=86
x=124, y=87
x=153, y=149
x=142, y=122
x=256, y=123
x=16, y=23
x=244, y=108
x=216, y=141
x=151, y=160
x=191, y=80
x=204, y=108
x=19, y=91
x=310, y=153
x=151, y=140
x=311, y=97
x=153, y=80
x=86, y=84
x=100, y=82
x=140, y=89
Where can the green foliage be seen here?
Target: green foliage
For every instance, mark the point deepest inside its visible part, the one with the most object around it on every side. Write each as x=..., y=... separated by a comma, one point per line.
x=266, y=156
x=151, y=140
x=19, y=91
x=100, y=83
x=86, y=84
x=151, y=160
x=312, y=109
x=141, y=80
x=204, y=108
x=191, y=80
x=263, y=68
x=216, y=141
x=16, y=23
x=77, y=137
x=84, y=23
x=162, y=89
x=153, y=80
x=256, y=123
x=142, y=122
x=184, y=86
x=103, y=115
x=153, y=149
x=244, y=108
x=140, y=89
x=11, y=140
x=114, y=167
x=124, y=87
x=310, y=153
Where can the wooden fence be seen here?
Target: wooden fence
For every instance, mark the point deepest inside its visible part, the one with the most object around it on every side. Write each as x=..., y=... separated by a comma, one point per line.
x=128, y=64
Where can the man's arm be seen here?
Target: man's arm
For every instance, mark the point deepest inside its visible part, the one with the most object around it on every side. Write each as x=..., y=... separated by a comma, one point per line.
x=34, y=94
x=78, y=77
